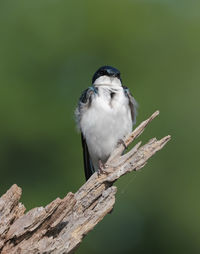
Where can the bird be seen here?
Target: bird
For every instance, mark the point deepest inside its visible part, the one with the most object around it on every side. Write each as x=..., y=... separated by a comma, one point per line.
x=105, y=115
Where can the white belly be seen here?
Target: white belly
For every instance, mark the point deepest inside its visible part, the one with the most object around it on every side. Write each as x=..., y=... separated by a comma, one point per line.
x=104, y=124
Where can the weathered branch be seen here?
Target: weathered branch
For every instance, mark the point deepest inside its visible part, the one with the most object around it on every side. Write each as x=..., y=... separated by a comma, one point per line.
x=60, y=226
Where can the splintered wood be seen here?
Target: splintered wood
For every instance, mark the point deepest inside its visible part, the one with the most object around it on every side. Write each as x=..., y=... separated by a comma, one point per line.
x=61, y=225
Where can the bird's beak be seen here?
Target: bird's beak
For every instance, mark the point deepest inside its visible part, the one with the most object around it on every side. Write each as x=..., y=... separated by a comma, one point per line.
x=112, y=79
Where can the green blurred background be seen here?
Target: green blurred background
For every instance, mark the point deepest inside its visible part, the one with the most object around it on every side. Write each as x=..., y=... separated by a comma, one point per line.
x=49, y=51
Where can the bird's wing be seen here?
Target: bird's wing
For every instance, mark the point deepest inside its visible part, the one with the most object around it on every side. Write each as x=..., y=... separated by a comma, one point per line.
x=84, y=104
x=88, y=167
x=132, y=104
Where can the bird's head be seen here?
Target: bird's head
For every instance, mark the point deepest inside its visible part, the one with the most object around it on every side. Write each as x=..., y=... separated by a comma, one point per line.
x=107, y=75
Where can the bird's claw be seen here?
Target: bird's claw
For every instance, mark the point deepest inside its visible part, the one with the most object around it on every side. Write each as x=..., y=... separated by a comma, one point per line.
x=101, y=169
x=122, y=142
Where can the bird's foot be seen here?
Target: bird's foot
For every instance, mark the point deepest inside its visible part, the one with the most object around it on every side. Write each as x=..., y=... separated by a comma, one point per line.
x=121, y=142
x=101, y=169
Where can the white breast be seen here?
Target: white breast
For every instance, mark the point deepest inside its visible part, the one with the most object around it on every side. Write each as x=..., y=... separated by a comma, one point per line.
x=105, y=123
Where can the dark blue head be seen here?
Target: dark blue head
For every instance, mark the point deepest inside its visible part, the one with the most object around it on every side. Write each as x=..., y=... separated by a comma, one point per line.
x=106, y=71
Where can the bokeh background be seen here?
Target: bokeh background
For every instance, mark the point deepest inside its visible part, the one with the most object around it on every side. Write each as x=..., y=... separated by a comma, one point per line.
x=49, y=51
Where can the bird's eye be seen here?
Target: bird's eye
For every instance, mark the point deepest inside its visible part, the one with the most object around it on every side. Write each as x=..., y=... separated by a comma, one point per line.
x=102, y=72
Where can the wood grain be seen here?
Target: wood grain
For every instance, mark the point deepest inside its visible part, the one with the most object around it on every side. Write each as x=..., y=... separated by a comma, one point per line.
x=61, y=225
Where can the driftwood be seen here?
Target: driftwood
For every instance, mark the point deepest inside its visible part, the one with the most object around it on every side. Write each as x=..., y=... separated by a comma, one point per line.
x=60, y=226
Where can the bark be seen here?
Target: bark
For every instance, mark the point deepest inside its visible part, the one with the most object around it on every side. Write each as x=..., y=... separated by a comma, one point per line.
x=61, y=225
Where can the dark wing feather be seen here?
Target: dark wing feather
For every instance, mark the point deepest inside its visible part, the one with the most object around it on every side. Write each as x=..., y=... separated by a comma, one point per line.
x=84, y=104
x=132, y=104
x=88, y=167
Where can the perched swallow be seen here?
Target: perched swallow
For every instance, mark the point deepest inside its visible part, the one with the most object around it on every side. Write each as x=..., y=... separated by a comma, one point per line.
x=105, y=114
